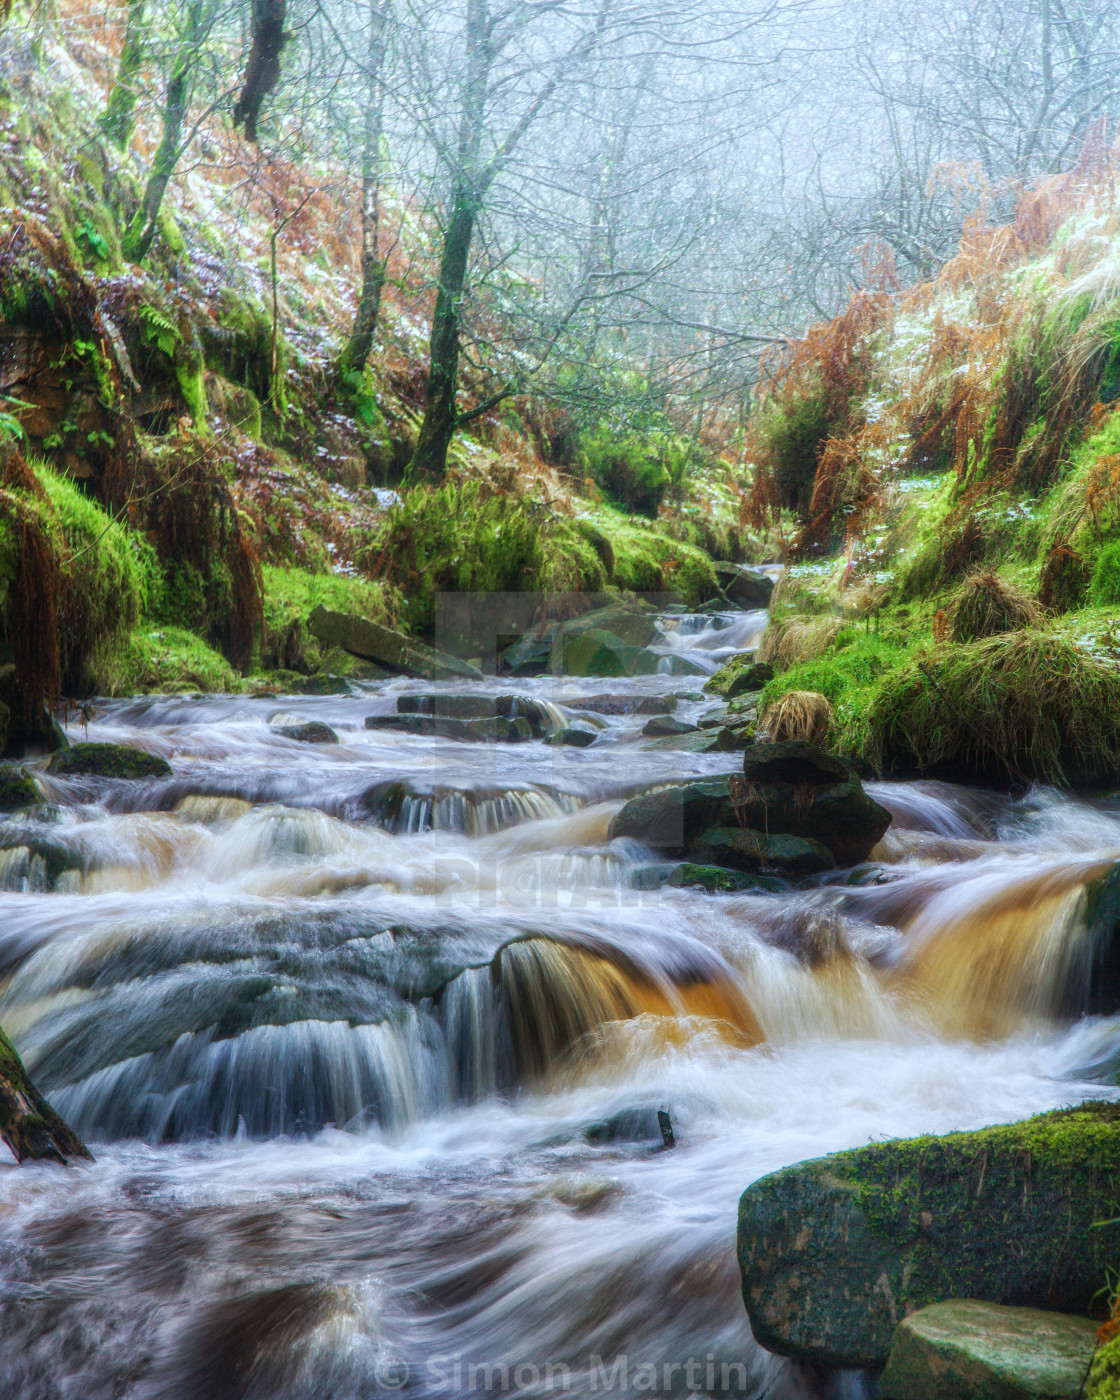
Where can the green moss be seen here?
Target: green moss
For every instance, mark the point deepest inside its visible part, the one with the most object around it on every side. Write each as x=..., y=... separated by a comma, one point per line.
x=166, y=659
x=647, y=560
x=1104, y=1373
x=193, y=389
x=293, y=594
x=17, y=789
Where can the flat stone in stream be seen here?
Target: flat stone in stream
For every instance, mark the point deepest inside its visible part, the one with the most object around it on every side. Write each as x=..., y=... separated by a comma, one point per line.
x=479, y=707
x=361, y=637
x=577, y=735
x=624, y=704
x=834, y=1253
x=964, y=1347
x=497, y=730
x=107, y=761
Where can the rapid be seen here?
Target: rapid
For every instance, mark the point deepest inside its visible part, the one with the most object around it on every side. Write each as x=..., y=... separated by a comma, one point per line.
x=370, y=1041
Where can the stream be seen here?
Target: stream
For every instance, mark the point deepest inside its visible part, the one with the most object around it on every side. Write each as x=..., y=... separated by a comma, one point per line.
x=370, y=1039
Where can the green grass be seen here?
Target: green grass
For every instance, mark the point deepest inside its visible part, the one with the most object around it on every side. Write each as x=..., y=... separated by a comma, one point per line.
x=295, y=593
x=1021, y=705
x=849, y=675
x=646, y=560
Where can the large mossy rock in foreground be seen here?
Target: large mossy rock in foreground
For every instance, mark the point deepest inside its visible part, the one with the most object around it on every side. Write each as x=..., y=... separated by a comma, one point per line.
x=361, y=637
x=107, y=761
x=836, y=1252
x=786, y=790
x=28, y=1124
x=988, y=1352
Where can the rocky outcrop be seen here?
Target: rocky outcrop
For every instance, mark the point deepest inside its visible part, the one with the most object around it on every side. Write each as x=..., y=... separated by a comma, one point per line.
x=964, y=1347
x=835, y=1253
x=749, y=589
x=107, y=761
x=787, y=790
x=393, y=650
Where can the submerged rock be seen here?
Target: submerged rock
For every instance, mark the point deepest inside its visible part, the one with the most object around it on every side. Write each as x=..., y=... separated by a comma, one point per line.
x=313, y=732
x=361, y=637
x=834, y=1253
x=965, y=1347
x=577, y=735
x=108, y=761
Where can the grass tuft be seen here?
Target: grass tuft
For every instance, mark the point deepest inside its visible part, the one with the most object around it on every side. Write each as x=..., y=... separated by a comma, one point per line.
x=986, y=606
x=804, y=715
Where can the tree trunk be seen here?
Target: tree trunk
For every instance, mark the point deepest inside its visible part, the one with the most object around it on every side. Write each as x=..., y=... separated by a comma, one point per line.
x=141, y=232
x=118, y=118
x=262, y=72
x=356, y=352
x=28, y=1124
x=440, y=414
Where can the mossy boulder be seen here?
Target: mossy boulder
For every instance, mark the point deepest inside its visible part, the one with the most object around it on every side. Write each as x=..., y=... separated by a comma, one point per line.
x=749, y=678
x=107, y=761
x=717, y=879
x=597, y=652
x=721, y=682
x=1104, y=1374
x=743, y=849
x=964, y=1347
x=28, y=1124
x=834, y=1253
x=17, y=789
x=835, y=812
x=749, y=589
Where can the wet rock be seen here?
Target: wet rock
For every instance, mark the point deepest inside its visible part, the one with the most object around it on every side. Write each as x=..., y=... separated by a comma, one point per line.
x=700, y=742
x=743, y=849
x=680, y=666
x=834, y=1253
x=657, y=705
x=576, y=735
x=17, y=789
x=740, y=735
x=748, y=589
x=723, y=678
x=322, y=683
x=717, y=879
x=597, y=652
x=393, y=650
x=472, y=707
x=542, y=648
x=640, y=1125
x=1096, y=988
x=28, y=1124
x=795, y=762
x=107, y=761
x=840, y=816
x=313, y=732
x=662, y=725
x=497, y=730
x=963, y=1347
x=714, y=719
x=752, y=677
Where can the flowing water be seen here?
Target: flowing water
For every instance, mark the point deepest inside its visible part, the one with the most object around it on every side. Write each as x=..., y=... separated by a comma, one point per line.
x=370, y=1042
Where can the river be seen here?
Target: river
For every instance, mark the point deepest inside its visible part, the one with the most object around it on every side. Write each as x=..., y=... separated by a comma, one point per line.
x=369, y=1041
